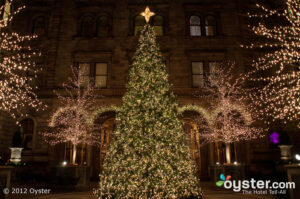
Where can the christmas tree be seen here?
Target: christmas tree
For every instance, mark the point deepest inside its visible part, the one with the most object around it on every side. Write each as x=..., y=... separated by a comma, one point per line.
x=148, y=156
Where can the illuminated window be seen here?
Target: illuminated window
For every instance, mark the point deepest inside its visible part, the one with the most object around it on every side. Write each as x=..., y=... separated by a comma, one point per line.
x=210, y=26
x=102, y=26
x=87, y=27
x=84, y=74
x=158, y=24
x=101, y=75
x=7, y=11
x=27, y=129
x=39, y=26
x=195, y=26
x=139, y=23
x=197, y=74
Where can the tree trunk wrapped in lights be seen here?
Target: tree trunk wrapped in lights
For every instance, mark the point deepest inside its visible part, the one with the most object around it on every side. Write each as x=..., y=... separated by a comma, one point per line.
x=71, y=123
x=16, y=62
x=279, y=98
x=232, y=119
x=149, y=155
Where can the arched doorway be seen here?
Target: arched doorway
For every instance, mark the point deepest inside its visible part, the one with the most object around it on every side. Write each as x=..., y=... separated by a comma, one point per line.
x=107, y=122
x=200, y=151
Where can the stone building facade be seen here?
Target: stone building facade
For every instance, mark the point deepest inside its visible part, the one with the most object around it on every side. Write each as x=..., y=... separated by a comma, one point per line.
x=102, y=34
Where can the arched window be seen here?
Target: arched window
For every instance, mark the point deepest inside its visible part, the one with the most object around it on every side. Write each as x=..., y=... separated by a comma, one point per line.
x=195, y=26
x=210, y=26
x=139, y=23
x=39, y=26
x=87, y=27
x=27, y=130
x=158, y=24
x=102, y=26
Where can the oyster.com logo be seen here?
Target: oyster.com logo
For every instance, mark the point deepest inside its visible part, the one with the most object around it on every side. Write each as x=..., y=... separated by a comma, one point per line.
x=223, y=179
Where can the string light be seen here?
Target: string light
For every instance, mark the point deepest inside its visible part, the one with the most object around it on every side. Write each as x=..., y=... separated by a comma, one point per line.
x=70, y=123
x=279, y=98
x=232, y=119
x=16, y=61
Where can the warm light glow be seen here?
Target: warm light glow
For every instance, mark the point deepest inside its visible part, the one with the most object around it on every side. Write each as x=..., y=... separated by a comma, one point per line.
x=279, y=98
x=147, y=14
x=235, y=162
x=297, y=157
x=16, y=93
x=64, y=163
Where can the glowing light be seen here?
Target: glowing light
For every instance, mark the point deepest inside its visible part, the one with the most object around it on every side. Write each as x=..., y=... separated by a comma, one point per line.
x=64, y=163
x=235, y=162
x=274, y=138
x=147, y=14
x=297, y=157
x=278, y=98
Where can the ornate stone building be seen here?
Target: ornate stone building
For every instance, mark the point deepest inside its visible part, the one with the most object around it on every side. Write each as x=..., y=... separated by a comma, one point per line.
x=194, y=35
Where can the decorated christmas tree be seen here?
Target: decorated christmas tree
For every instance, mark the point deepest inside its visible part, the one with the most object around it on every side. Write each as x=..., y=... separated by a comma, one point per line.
x=149, y=155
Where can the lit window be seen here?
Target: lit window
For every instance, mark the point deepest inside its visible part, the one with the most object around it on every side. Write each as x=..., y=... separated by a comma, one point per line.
x=210, y=26
x=84, y=74
x=158, y=24
x=139, y=23
x=195, y=26
x=7, y=11
x=101, y=75
x=39, y=26
x=87, y=27
x=197, y=73
x=102, y=26
x=27, y=128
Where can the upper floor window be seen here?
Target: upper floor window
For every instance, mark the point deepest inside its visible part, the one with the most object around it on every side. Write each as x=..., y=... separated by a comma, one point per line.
x=84, y=74
x=102, y=26
x=7, y=11
x=197, y=74
x=27, y=130
x=87, y=27
x=210, y=26
x=139, y=23
x=195, y=26
x=93, y=73
x=158, y=24
x=39, y=26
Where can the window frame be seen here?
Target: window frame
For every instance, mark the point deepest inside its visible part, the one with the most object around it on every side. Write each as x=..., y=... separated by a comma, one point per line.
x=214, y=26
x=203, y=73
x=190, y=25
x=95, y=75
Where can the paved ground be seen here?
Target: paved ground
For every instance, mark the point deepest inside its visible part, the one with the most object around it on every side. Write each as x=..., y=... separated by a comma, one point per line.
x=209, y=192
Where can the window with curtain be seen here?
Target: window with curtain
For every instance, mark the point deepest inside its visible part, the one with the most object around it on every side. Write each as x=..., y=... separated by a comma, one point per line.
x=197, y=74
x=195, y=26
x=210, y=26
x=102, y=26
x=87, y=27
x=158, y=24
x=84, y=74
x=139, y=23
x=27, y=130
x=101, y=75
x=39, y=26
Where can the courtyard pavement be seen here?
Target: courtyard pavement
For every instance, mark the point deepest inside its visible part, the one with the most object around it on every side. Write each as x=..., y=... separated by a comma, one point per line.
x=209, y=192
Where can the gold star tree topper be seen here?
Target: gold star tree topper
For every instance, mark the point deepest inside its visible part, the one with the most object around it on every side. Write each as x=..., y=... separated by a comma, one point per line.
x=147, y=14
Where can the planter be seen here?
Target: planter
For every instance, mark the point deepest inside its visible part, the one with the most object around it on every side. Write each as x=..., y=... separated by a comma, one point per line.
x=286, y=152
x=16, y=155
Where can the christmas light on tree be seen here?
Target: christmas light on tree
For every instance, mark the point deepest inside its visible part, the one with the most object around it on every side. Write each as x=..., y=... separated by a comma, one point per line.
x=16, y=62
x=149, y=155
x=279, y=98
x=232, y=117
x=70, y=123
